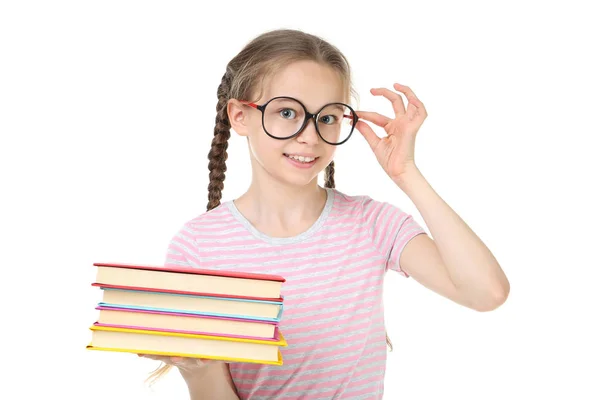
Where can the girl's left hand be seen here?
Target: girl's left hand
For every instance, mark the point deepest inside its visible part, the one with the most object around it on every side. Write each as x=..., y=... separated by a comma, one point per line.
x=396, y=151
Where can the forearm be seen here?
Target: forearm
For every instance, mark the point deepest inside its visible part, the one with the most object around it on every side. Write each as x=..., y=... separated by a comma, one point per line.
x=214, y=382
x=470, y=264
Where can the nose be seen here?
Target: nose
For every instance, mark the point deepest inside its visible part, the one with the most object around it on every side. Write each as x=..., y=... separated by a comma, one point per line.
x=309, y=134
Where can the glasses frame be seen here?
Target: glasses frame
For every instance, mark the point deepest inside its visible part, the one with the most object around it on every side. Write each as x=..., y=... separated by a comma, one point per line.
x=307, y=116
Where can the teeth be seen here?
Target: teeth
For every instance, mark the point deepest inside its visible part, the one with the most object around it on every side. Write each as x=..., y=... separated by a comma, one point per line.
x=301, y=158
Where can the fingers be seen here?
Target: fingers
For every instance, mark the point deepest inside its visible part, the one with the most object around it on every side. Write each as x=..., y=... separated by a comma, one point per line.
x=376, y=118
x=395, y=98
x=189, y=364
x=370, y=136
x=411, y=97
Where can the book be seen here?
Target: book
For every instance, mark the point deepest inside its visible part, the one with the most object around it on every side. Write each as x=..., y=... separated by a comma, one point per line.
x=234, y=307
x=192, y=280
x=119, y=339
x=186, y=323
x=189, y=312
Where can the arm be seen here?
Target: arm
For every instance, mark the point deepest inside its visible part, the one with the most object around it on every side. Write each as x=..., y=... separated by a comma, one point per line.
x=456, y=264
x=212, y=382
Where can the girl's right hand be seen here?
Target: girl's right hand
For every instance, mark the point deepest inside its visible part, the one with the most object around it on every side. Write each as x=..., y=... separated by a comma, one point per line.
x=185, y=364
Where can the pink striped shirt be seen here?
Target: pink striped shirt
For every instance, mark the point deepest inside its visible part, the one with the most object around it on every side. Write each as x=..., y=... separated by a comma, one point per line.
x=333, y=313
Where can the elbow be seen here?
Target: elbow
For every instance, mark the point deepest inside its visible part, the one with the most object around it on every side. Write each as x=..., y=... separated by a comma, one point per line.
x=494, y=298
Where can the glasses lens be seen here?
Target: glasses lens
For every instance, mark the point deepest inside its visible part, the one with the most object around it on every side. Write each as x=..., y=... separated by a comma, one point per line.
x=283, y=117
x=335, y=122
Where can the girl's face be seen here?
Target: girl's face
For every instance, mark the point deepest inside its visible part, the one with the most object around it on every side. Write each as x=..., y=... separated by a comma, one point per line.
x=312, y=84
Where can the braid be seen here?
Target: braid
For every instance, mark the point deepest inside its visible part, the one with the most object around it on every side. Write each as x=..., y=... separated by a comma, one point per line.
x=329, y=170
x=218, y=151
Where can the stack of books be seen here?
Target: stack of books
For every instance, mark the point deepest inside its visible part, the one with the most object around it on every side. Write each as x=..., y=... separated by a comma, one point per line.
x=189, y=312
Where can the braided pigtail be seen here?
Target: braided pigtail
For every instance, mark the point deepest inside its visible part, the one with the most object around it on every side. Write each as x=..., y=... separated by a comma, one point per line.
x=217, y=156
x=216, y=165
x=329, y=171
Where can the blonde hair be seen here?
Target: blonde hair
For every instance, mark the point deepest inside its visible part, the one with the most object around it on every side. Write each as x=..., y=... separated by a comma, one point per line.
x=245, y=76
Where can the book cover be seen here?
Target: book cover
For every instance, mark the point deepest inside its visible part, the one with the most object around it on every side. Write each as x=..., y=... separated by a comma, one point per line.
x=276, y=338
x=277, y=344
x=196, y=271
x=190, y=280
x=278, y=305
x=186, y=323
x=183, y=292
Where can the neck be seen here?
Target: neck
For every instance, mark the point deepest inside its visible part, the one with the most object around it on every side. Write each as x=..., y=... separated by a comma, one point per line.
x=277, y=207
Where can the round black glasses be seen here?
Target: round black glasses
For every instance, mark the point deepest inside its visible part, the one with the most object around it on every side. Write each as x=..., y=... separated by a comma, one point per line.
x=284, y=117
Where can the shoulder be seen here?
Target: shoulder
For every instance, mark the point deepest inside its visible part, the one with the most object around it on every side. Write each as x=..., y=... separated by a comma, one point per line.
x=345, y=200
x=347, y=206
x=207, y=221
x=362, y=204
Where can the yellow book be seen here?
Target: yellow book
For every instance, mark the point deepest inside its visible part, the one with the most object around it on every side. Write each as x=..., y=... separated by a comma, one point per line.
x=230, y=349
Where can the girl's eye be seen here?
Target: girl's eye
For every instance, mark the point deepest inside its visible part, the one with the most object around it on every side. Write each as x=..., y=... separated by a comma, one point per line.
x=287, y=113
x=328, y=119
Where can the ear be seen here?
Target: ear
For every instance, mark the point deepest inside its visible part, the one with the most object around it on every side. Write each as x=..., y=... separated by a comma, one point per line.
x=238, y=116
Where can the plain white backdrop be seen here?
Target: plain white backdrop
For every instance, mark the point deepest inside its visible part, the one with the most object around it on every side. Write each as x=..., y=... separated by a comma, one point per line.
x=106, y=117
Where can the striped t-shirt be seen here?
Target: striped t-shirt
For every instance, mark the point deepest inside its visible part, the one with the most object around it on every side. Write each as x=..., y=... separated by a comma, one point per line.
x=333, y=316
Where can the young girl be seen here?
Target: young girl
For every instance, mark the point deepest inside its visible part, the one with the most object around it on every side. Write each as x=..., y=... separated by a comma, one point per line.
x=288, y=93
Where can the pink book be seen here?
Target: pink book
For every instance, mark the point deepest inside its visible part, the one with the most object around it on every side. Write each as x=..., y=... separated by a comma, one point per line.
x=129, y=319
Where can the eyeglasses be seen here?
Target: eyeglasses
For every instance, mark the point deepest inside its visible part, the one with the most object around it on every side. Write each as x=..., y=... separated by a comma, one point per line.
x=285, y=117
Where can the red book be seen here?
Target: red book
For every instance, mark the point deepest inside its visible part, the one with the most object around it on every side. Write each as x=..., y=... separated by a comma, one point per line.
x=193, y=281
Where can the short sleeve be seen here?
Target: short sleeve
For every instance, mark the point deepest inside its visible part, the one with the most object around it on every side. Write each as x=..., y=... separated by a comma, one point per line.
x=390, y=229
x=182, y=250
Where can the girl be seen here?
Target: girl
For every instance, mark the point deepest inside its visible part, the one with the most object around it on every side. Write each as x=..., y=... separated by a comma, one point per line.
x=287, y=92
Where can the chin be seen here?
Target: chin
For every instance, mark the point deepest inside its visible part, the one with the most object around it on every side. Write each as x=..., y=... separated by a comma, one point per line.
x=292, y=179
x=296, y=176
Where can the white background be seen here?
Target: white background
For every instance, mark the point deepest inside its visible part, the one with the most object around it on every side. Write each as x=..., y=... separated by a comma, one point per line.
x=106, y=117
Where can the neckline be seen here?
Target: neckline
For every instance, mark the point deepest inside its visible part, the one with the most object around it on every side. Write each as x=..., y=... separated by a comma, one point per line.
x=284, y=240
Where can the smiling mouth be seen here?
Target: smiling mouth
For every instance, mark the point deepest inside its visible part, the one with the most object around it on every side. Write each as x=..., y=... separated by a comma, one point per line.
x=302, y=159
